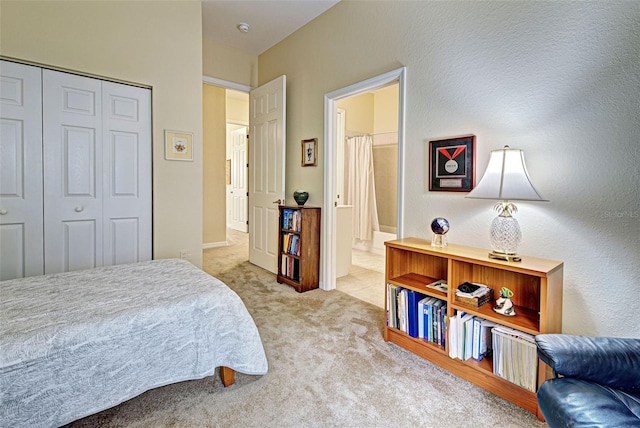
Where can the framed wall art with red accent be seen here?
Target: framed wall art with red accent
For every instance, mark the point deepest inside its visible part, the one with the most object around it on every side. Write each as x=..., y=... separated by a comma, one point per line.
x=452, y=164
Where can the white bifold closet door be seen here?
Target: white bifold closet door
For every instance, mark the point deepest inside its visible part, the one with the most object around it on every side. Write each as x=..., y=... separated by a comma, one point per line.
x=93, y=173
x=21, y=209
x=97, y=172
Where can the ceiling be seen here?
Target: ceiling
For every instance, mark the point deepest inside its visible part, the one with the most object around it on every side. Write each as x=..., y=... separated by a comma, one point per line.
x=270, y=21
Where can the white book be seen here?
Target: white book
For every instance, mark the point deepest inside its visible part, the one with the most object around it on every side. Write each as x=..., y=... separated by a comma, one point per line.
x=453, y=336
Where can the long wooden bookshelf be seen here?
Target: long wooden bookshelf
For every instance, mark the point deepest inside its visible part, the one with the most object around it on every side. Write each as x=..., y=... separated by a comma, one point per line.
x=413, y=263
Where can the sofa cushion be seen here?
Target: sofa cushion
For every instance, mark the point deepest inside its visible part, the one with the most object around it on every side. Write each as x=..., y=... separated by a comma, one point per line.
x=569, y=402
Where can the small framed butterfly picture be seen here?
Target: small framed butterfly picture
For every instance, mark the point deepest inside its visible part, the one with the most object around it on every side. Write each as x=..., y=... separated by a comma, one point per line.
x=452, y=164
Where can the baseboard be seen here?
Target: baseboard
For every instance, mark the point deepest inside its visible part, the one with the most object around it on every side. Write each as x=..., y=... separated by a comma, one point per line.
x=215, y=245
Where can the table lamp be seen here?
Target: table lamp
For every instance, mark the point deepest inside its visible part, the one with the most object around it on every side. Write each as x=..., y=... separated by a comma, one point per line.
x=506, y=179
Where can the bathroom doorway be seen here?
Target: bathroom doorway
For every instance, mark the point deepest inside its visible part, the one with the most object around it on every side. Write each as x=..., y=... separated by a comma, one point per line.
x=366, y=180
x=371, y=112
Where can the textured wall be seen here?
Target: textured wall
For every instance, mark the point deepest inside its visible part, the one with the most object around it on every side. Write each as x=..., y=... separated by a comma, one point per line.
x=560, y=80
x=214, y=148
x=158, y=44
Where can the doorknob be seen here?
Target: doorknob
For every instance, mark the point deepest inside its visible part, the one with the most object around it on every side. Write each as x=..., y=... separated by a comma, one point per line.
x=79, y=209
x=3, y=212
x=277, y=202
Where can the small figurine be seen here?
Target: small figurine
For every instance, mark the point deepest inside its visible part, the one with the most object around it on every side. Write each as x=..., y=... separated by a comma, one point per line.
x=504, y=305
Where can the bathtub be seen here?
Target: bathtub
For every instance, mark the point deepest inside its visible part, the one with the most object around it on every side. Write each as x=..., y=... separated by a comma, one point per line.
x=376, y=245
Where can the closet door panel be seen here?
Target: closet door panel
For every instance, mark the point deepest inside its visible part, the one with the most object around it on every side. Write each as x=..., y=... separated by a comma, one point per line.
x=127, y=173
x=21, y=228
x=79, y=243
x=72, y=122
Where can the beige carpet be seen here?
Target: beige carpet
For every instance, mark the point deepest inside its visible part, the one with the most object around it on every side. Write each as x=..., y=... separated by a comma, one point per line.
x=328, y=367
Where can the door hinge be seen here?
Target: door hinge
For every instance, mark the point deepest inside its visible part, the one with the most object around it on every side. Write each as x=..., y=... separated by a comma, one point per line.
x=247, y=193
x=247, y=222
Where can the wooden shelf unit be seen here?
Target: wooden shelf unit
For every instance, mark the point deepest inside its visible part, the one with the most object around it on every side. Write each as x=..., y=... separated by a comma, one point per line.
x=536, y=283
x=301, y=268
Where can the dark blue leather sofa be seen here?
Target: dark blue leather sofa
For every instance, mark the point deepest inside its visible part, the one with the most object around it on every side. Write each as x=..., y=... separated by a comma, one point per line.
x=596, y=383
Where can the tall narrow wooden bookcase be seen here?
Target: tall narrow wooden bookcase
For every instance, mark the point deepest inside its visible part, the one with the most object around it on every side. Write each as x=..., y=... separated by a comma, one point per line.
x=299, y=247
x=413, y=263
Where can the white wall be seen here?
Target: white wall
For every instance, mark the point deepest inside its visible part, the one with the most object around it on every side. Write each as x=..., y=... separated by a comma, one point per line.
x=158, y=44
x=557, y=79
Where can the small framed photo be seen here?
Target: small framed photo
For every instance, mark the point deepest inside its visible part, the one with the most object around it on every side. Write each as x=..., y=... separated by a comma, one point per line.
x=452, y=164
x=310, y=152
x=178, y=145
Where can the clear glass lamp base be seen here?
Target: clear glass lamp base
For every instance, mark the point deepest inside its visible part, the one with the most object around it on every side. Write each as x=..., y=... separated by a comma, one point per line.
x=505, y=238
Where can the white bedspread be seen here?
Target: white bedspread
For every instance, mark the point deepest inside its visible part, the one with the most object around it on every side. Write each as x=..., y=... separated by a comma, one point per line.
x=76, y=343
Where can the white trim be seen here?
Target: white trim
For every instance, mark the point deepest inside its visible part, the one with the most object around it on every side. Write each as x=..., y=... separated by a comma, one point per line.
x=215, y=245
x=328, y=216
x=226, y=84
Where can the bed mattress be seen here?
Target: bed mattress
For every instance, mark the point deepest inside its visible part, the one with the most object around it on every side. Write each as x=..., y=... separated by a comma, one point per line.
x=76, y=343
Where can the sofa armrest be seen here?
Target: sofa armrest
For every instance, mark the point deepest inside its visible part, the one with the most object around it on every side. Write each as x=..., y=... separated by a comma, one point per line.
x=609, y=361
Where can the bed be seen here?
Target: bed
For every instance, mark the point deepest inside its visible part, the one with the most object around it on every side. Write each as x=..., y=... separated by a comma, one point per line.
x=76, y=343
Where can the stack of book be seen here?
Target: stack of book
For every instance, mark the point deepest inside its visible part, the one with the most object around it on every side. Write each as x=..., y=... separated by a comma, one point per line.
x=417, y=315
x=291, y=244
x=473, y=294
x=514, y=357
x=470, y=336
x=432, y=315
x=290, y=267
x=291, y=219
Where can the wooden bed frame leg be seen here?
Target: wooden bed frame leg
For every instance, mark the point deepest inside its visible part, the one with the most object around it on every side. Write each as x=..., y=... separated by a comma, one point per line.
x=227, y=375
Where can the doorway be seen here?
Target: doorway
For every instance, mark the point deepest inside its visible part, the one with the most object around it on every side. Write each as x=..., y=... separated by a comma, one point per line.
x=332, y=154
x=226, y=120
x=366, y=181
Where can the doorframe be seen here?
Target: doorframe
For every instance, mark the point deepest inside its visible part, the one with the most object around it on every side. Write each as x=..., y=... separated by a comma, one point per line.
x=235, y=87
x=330, y=196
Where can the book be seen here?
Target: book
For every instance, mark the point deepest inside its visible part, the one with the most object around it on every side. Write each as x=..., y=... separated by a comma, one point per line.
x=467, y=328
x=413, y=297
x=463, y=317
x=440, y=285
x=485, y=346
x=402, y=309
x=453, y=336
x=436, y=311
x=426, y=308
x=469, y=289
x=421, y=323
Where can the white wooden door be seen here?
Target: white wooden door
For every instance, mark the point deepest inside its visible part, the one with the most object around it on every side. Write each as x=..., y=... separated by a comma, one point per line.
x=126, y=173
x=267, y=128
x=97, y=172
x=72, y=122
x=239, y=175
x=21, y=228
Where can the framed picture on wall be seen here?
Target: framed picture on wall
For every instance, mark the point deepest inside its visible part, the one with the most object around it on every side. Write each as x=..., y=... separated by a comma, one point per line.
x=452, y=164
x=178, y=145
x=309, y=152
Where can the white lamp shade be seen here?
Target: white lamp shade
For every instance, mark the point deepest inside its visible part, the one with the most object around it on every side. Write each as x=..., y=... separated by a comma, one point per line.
x=506, y=178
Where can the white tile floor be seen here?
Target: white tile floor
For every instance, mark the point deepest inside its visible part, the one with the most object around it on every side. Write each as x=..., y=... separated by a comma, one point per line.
x=365, y=280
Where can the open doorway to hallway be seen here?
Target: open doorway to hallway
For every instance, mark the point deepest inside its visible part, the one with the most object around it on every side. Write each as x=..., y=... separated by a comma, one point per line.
x=224, y=162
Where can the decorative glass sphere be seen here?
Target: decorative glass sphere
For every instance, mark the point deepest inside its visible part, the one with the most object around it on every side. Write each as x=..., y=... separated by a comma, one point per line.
x=440, y=225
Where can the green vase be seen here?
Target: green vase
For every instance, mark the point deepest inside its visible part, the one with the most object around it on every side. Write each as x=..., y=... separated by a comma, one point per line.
x=301, y=197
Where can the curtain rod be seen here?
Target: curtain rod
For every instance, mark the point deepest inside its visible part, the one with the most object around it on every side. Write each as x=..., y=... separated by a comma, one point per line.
x=356, y=133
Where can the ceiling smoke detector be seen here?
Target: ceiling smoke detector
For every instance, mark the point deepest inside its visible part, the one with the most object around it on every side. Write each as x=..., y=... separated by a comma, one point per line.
x=243, y=27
